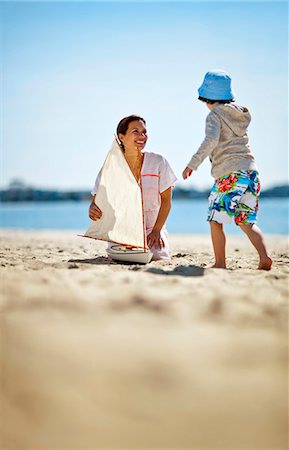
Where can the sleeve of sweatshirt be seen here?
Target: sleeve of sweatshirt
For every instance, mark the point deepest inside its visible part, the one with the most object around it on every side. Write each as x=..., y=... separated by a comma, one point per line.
x=213, y=127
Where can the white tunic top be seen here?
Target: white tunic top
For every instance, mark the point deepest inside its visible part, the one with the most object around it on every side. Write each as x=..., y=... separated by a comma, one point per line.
x=156, y=177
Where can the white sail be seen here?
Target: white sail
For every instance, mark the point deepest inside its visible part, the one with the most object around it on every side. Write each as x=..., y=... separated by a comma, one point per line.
x=120, y=199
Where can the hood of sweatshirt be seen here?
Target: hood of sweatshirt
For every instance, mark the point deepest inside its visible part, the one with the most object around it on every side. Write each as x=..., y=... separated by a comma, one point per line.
x=236, y=117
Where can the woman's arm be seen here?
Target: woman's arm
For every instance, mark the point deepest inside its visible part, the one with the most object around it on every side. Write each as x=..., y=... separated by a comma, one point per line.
x=94, y=211
x=154, y=238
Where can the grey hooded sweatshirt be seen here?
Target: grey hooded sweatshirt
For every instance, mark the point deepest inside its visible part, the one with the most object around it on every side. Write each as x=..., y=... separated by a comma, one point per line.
x=226, y=141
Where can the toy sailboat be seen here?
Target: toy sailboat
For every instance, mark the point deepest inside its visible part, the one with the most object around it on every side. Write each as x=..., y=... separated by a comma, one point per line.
x=119, y=196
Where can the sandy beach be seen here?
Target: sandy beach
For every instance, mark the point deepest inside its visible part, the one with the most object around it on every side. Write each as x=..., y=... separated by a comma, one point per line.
x=175, y=355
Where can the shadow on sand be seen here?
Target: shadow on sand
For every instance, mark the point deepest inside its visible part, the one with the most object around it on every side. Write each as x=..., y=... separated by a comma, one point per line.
x=184, y=271
x=104, y=260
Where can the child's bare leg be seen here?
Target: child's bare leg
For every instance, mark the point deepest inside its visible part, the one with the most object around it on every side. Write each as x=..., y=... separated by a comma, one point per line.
x=256, y=237
x=219, y=244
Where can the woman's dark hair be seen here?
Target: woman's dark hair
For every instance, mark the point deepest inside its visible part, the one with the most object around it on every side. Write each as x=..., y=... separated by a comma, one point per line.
x=210, y=102
x=124, y=123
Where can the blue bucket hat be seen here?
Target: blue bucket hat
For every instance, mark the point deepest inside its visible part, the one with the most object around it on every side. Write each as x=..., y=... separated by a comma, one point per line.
x=216, y=86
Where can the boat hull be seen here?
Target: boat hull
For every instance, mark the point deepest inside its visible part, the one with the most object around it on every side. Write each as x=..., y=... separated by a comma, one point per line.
x=135, y=255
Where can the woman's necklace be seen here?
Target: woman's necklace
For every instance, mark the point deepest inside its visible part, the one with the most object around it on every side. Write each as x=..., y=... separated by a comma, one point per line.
x=135, y=164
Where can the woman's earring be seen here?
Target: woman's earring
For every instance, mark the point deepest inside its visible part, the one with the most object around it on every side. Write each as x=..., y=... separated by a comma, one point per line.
x=119, y=142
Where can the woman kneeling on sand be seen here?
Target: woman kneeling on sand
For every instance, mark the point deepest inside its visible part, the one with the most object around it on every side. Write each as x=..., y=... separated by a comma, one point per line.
x=156, y=177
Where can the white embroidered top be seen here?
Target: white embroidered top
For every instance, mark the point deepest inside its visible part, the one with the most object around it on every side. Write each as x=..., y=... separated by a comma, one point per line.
x=156, y=177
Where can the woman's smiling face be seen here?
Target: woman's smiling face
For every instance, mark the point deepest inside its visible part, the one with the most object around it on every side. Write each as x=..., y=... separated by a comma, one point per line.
x=135, y=137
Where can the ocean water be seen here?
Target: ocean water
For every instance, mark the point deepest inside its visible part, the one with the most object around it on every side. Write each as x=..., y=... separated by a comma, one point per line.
x=187, y=216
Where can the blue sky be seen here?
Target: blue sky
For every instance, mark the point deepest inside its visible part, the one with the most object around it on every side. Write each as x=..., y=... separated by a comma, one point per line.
x=72, y=70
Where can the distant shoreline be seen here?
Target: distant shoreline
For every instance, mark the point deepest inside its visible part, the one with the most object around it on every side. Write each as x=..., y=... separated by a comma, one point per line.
x=19, y=194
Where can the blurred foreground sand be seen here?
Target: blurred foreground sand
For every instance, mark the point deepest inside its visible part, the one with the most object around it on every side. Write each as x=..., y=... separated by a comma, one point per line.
x=98, y=355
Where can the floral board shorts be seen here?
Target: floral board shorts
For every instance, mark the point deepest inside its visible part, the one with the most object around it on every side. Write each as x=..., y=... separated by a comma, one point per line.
x=235, y=195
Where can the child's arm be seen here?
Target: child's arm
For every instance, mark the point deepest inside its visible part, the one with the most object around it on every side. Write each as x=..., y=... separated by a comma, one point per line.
x=213, y=128
x=154, y=238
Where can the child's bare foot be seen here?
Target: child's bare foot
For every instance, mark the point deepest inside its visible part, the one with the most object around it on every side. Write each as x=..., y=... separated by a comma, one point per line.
x=219, y=266
x=265, y=264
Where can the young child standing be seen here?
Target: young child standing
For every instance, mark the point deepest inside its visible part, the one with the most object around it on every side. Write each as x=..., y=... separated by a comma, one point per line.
x=237, y=188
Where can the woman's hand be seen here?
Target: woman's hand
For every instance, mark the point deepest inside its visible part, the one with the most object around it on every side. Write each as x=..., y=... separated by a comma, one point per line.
x=154, y=239
x=187, y=173
x=94, y=211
